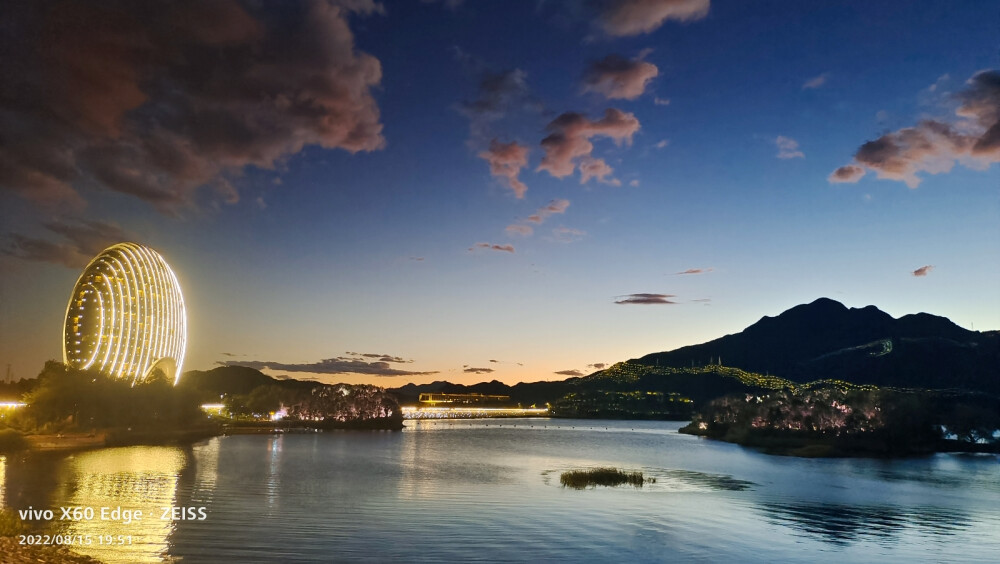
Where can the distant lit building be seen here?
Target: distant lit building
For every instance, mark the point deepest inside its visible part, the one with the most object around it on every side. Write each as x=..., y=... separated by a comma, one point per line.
x=461, y=399
x=126, y=316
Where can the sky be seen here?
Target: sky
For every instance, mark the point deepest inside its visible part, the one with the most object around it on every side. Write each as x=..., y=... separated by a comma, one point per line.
x=401, y=191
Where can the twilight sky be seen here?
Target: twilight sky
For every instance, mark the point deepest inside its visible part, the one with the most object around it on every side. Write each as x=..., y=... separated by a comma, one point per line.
x=522, y=190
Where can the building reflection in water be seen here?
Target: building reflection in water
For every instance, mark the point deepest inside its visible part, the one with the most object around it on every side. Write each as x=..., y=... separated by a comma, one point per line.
x=140, y=478
x=3, y=481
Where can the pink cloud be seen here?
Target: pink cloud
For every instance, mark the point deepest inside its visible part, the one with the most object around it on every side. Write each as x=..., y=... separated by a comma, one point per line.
x=568, y=234
x=788, y=148
x=568, y=145
x=934, y=146
x=616, y=77
x=493, y=247
x=519, y=229
x=553, y=207
x=506, y=161
x=635, y=17
x=816, y=81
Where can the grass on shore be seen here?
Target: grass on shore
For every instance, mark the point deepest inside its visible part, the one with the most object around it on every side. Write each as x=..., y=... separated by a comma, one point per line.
x=580, y=479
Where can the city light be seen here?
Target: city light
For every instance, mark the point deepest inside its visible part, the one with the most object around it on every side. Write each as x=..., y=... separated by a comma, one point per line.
x=126, y=316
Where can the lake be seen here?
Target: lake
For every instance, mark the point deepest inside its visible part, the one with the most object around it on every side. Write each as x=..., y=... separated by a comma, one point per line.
x=488, y=490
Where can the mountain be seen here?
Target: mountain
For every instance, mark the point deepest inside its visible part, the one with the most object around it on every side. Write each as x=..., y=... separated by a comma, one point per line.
x=826, y=340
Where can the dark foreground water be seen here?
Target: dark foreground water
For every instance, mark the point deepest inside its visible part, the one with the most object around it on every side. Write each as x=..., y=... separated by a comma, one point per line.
x=489, y=491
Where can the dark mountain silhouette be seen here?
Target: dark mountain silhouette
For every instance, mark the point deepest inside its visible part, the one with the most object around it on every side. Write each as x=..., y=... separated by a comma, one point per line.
x=826, y=340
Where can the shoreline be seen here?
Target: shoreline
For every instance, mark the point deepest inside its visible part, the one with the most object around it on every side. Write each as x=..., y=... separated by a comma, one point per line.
x=835, y=447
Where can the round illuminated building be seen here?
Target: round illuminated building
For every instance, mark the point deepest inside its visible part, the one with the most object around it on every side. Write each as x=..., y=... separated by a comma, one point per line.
x=126, y=316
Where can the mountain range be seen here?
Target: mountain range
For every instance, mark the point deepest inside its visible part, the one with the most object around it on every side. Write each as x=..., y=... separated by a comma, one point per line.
x=820, y=341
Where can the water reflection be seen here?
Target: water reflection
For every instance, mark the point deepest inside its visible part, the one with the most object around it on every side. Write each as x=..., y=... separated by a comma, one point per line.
x=131, y=480
x=842, y=524
x=3, y=481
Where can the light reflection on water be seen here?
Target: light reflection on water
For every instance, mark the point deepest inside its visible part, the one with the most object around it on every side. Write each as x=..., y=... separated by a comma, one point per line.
x=135, y=479
x=489, y=490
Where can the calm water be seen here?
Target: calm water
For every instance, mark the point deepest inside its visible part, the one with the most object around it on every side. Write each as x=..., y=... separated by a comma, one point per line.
x=489, y=491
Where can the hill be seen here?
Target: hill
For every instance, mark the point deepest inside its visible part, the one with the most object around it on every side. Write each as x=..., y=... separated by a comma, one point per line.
x=826, y=340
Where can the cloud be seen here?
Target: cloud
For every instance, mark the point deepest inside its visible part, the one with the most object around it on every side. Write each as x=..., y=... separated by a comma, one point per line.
x=621, y=18
x=493, y=247
x=569, y=373
x=702, y=300
x=568, y=144
x=494, y=360
x=596, y=168
x=816, y=81
x=788, y=148
x=848, y=173
x=417, y=259
x=597, y=365
x=498, y=94
x=695, y=271
x=553, y=207
x=506, y=161
x=661, y=101
x=383, y=357
x=523, y=228
x=662, y=144
x=519, y=229
x=923, y=270
x=645, y=299
x=339, y=365
x=157, y=100
x=934, y=146
x=81, y=242
x=616, y=77
x=474, y=370
x=568, y=234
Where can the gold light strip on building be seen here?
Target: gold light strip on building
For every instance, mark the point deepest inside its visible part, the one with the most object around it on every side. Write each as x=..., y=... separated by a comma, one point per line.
x=126, y=316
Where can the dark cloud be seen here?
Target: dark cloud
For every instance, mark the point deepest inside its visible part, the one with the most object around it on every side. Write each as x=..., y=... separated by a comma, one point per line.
x=81, y=242
x=474, y=370
x=620, y=18
x=339, y=365
x=494, y=361
x=568, y=144
x=923, y=270
x=493, y=247
x=934, y=146
x=696, y=271
x=645, y=299
x=499, y=94
x=848, y=173
x=159, y=99
x=383, y=357
x=506, y=161
x=616, y=77
x=569, y=372
x=597, y=365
